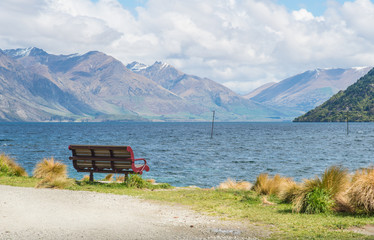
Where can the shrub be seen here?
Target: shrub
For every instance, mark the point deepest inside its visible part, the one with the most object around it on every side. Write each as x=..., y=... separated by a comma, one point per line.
x=53, y=174
x=120, y=178
x=289, y=192
x=232, y=184
x=271, y=186
x=48, y=168
x=335, y=180
x=312, y=198
x=321, y=195
x=135, y=181
x=9, y=167
x=361, y=192
x=318, y=201
x=86, y=178
x=342, y=204
x=151, y=181
x=109, y=177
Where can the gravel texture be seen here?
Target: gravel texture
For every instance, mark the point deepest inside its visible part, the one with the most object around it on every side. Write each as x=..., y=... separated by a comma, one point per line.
x=28, y=213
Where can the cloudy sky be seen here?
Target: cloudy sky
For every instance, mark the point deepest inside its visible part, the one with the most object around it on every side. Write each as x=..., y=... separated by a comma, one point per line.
x=239, y=43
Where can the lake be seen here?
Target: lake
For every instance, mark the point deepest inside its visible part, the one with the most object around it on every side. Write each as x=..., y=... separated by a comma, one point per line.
x=183, y=154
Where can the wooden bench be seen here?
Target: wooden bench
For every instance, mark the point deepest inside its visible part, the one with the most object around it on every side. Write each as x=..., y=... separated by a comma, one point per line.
x=106, y=159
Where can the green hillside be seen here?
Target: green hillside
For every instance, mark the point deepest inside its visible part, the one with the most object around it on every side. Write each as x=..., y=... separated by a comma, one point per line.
x=357, y=98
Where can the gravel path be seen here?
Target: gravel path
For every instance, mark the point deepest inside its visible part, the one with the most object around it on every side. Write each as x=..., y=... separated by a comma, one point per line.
x=28, y=213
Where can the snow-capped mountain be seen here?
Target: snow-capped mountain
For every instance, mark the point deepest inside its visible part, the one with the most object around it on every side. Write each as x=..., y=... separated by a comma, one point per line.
x=136, y=66
x=38, y=86
x=207, y=93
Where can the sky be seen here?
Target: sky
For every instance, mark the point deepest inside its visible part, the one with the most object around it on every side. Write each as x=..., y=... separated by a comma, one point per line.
x=241, y=44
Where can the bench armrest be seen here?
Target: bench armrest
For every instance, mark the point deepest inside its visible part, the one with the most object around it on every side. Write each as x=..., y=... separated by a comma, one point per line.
x=140, y=170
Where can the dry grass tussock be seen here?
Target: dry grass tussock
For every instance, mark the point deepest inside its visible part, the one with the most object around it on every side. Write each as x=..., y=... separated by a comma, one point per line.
x=232, y=184
x=120, y=178
x=289, y=191
x=151, y=181
x=9, y=167
x=361, y=192
x=272, y=186
x=335, y=180
x=52, y=173
x=321, y=195
x=49, y=168
x=109, y=177
x=86, y=178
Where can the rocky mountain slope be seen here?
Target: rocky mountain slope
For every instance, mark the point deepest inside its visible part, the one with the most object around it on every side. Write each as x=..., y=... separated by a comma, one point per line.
x=27, y=95
x=259, y=90
x=355, y=103
x=38, y=86
x=203, y=91
x=305, y=91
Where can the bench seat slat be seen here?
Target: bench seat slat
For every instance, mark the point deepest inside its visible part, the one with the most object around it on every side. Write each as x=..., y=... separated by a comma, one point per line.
x=100, y=158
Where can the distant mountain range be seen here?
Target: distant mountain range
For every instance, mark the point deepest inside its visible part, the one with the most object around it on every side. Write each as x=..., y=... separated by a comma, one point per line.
x=207, y=93
x=38, y=86
x=356, y=103
x=307, y=90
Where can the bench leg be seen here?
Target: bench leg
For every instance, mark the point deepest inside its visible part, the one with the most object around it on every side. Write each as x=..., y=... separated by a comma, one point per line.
x=91, y=177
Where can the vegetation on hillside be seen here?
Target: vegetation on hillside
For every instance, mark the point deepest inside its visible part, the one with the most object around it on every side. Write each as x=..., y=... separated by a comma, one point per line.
x=356, y=104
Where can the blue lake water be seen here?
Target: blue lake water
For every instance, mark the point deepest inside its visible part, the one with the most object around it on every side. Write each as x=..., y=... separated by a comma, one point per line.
x=183, y=154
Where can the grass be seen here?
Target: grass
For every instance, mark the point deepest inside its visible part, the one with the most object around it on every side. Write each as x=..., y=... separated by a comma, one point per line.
x=272, y=186
x=335, y=180
x=232, y=184
x=9, y=167
x=361, y=192
x=53, y=174
x=49, y=168
x=268, y=205
x=319, y=195
x=235, y=204
x=109, y=177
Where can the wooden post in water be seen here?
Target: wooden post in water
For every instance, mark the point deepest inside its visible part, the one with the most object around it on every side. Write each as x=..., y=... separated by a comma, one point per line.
x=347, y=126
x=347, y=120
x=211, y=134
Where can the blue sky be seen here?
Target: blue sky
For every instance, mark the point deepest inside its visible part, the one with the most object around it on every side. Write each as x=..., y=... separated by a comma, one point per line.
x=241, y=44
x=317, y=7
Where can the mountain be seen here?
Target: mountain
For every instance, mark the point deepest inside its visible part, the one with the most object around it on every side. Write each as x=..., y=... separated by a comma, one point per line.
x=105, y=85
x=205, y=92
x=307, y=90
x=258, y=90
x=356, y=103
x=38, y=86
x=27, y=95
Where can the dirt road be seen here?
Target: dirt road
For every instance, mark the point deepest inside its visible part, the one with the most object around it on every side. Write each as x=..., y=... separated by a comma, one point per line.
x=28, y=213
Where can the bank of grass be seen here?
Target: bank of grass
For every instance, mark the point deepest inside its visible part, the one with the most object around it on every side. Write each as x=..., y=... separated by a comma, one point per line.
x=233, y=204
x=233, y=201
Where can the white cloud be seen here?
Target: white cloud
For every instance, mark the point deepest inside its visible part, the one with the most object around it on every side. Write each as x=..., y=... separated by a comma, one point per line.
x=304, y=15
x=239, y=43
